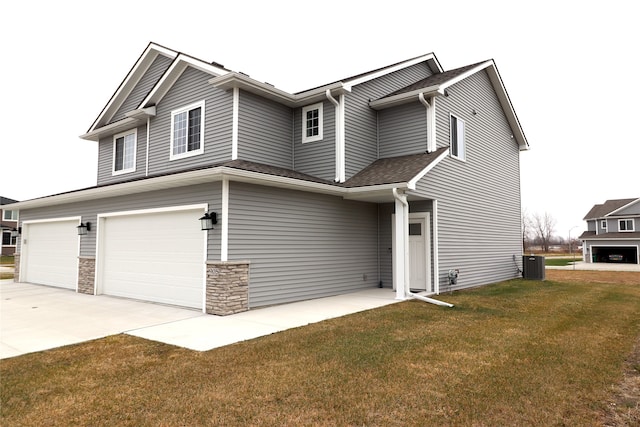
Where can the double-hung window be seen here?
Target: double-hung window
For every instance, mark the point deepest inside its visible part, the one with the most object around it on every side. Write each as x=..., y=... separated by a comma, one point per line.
x=8, y=239
x=603, y=224
x=457, y=143
x=625, y=225
x=312, y=123
x=187, y=131
x=124, y=152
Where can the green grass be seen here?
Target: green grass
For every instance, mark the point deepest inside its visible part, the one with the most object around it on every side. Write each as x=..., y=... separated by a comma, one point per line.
x=515, y=353
x=560, y=261
x=6, y=260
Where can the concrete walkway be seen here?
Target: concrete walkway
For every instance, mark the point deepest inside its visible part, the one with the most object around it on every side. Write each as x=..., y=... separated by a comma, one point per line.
x=597, y=266
x=35, y=318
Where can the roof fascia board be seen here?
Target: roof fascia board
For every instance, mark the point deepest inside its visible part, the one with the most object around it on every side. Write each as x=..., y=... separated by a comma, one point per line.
x=244, y=82
x=133, y=77
x=112, y=128
x=387, y=70
x=507, y=107
x=403, y=98
x=175, y=70
x=414, y=181
x=466, y=74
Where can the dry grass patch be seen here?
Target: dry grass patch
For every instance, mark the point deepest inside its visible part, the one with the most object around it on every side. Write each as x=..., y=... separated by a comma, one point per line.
x=515, y=353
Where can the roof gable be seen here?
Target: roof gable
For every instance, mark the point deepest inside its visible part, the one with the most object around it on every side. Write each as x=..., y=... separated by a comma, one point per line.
x=130, y=81
x=608, y=208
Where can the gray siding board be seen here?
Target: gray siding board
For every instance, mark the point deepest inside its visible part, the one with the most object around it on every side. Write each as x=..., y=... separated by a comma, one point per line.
x=192, y=86
x=144, y=86
x=202, y=193
x=264, y=131
x=631, y=210
x=402, y=130
x=316, y=158
x=479, y=199
x=361, y=120
x=301, y=245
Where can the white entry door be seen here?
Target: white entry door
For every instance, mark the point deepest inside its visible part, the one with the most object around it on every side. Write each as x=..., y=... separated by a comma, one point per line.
x=419, y=252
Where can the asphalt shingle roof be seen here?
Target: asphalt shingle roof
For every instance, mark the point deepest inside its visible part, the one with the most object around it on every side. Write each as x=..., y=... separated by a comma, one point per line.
x=599, y=211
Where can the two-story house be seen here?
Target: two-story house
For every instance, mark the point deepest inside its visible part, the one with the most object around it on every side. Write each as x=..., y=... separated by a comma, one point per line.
x=8, y=227
x=613, y=232
x=392, y=178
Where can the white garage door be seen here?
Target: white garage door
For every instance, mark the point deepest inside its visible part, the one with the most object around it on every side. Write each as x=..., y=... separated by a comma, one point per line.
x=51, y=253
x=154, y=257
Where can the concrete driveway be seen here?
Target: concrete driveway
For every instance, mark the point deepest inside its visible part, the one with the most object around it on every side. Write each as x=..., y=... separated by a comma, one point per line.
x=35, y=318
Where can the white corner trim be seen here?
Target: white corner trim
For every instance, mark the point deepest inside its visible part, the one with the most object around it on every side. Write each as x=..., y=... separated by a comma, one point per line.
x=224, y=231
x=234, y=124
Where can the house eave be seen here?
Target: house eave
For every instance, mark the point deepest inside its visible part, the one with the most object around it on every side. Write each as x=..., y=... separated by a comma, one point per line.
x=404, y=98
x=238, y=80
x=112, y=128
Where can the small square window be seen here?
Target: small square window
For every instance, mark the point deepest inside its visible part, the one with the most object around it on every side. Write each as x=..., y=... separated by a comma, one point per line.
x=124, y=152
x=312, y=123
x=457, y=135
x=187, y=131
x=625, y=225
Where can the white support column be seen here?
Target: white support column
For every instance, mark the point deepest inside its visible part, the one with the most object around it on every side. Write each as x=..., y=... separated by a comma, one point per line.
x=401, y=246
x=234, y=123
x=224, y=229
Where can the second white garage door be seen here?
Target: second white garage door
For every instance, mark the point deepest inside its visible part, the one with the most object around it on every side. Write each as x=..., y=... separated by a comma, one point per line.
x=155, y=257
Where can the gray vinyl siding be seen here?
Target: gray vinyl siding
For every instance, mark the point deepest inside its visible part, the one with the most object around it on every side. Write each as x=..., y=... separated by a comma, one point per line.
x=144, y=86
x=202, y=193
x=317, y=158
x=478, y=200
x=591, y=225
x=301, y=245
x=264, y=131
x=402, y=130
x=191, y=87
x=361, y=136
x=385, y=244
x=105, y=159
x=631, y=210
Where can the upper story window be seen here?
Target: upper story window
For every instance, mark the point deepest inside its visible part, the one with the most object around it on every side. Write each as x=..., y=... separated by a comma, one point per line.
x=187, y=131
x=8, y=215
x=603, y=224
x=457, y=143
x=625, y=225
x=124, y=152
x=312, y=123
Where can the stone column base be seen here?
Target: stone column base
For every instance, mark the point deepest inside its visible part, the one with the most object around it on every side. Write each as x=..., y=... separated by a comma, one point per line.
x=227, y=287
x=86, y=275
x=16, y=267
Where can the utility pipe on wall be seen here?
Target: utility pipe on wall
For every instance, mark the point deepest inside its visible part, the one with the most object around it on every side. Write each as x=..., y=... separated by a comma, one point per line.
x=340, y=166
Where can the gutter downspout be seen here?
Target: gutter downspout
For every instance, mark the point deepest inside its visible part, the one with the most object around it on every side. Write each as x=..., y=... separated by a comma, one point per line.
x=431, y=135
x=340, y=166
x=402, y=289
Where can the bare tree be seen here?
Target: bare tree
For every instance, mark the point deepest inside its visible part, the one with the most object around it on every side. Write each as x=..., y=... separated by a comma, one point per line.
x=526, y=230
x=543, y=227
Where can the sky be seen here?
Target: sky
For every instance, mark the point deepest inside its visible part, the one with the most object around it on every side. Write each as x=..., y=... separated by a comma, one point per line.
x=569, y=68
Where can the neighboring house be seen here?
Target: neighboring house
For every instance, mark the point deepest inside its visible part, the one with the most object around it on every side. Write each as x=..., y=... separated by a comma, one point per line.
x=613, y=232
x=8, y=226
x=389, y=178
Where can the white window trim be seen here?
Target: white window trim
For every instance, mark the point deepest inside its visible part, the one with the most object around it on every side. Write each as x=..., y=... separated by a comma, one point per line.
x=319, y=136
x=202, y=122
x=633, y=226
x=114, y=172
x=4, y=215
x=11, y=239
x=603, y=224
x=462, y=157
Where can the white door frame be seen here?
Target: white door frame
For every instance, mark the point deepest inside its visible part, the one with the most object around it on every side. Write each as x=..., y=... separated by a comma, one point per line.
x=426, y=217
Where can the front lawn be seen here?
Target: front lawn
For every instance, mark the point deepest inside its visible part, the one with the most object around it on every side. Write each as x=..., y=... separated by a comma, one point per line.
x=560, y=262
x=515, y=353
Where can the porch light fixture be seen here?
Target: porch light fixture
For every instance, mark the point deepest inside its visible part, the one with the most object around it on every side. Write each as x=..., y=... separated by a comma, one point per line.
x=16, y=232
x=208, y=220
x=84, y=228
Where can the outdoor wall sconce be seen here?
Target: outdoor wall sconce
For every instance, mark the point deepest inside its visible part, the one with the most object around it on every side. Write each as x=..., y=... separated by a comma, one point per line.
x=208, y=220
x=84, y=228
x=16, y=232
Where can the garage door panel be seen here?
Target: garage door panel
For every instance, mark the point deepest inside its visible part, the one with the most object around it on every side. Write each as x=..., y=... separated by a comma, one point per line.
x=52, y=253
x=155, y=257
